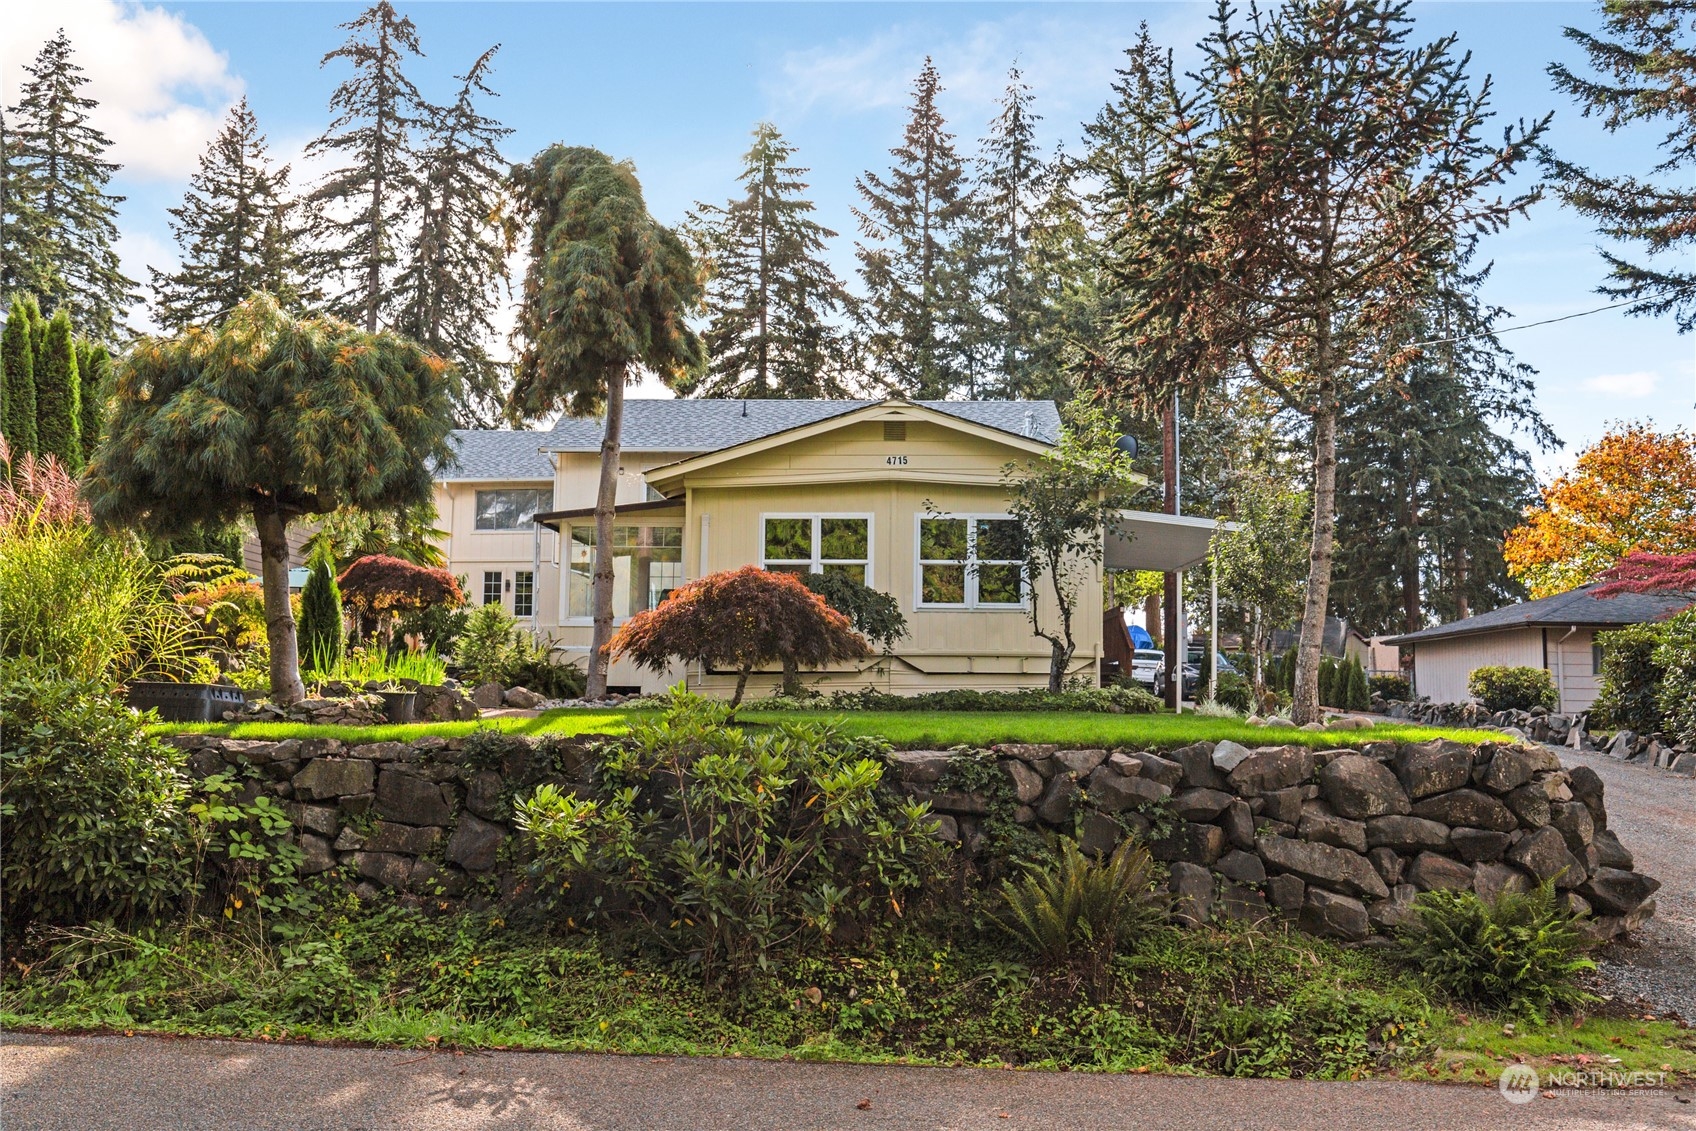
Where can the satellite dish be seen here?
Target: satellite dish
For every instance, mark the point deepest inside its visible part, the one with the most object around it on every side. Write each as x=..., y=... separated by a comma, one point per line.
x=1127, y=444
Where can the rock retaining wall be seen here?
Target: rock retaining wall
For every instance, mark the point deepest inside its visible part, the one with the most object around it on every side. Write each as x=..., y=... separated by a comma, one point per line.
x=1541, y=725
x=1336, y=841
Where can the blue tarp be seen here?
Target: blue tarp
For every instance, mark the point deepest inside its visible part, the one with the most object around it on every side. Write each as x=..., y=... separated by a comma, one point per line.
x=1139, y=636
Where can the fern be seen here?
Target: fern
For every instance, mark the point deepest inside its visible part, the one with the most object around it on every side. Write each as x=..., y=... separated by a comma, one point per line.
x=201, y=571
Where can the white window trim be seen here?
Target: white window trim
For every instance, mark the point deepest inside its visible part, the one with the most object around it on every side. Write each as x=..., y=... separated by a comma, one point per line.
x=565, y=572
x=971, y=603
x=816, y=564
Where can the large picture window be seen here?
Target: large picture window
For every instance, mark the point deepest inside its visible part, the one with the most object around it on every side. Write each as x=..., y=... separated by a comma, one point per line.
x=647, y=564
x=840, y=544
x=970, y=561
x=511, y=509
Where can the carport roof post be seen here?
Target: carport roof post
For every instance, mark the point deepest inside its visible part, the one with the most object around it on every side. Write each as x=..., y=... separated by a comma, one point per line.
x=1164, y=543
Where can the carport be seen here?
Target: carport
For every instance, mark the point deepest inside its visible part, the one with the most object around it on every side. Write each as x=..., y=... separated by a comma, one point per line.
x=1166, y=543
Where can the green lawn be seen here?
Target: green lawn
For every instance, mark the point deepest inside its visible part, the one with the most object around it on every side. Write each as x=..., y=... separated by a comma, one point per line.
x=903, y=729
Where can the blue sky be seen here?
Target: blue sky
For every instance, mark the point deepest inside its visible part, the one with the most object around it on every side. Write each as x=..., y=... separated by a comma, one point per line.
x=677, y=88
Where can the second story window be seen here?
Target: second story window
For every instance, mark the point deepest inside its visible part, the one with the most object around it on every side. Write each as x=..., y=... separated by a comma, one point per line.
x=511, y=508
x=840, y=544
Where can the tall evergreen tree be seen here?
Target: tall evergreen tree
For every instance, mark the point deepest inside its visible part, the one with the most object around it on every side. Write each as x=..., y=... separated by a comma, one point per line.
x=1015, y=186
x=910, y=221
x=63, y=225
x=605, y=296
x=771, y=295
x=1428, y=481
x=1644, y=64
x=94, y=368
x=365, y=207
x=1269, y=244
x=455, y=263
x=321, y=633
x=237, y=229
x=18, y=351
x=58, y=395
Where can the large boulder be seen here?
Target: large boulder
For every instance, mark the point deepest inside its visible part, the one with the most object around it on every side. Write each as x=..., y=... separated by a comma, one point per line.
x=1544, y=854
x=411, y=840
x=1467, y=807
x=487, y=696
x=1318, y=823
x=522, y=698
x=1111, y=791
x=1613, y=891
x=1080, y=762
x=1610, y=853
x=1359, y=787
x=1274, y=768
x=1055, y=804
x=1510, y=767
x=1163, y=770
x=1427, y=768
x=1191, y=843
x=1330, y=915
x=1201, y=804
x=1473, y=845
x=920, y=767
x=1491, y=880
x=1198, y=767
x=1573, y=820
x=1027, y=783
x=1192, y=893
x=334, y=777
x=411, y=800
x=1406, y=834
x=387, y=868
x=1242, y=867
x=1431, y=872
x=475, y=844
x=1322, y=864
x=1530, y=804
x=1228, y=755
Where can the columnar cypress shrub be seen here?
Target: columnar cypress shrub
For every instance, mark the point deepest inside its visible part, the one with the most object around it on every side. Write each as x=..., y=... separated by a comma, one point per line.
x=95, y=374
x=1327, y=682
x=1360, y=694
x=320, y=616
x=58, y=395
x=18, y=422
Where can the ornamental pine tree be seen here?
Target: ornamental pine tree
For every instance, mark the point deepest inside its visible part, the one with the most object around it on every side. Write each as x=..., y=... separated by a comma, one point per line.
x=910, y=221
x=60, y=237
x=366, y=205
x=454, y=265
x=321, y=634
x=268, y=418
x=237, y=231
x=771, y=295
x=1643, y=68
x=606, y=296
x=1266, y=244
x=58, y=395
x=18, y=350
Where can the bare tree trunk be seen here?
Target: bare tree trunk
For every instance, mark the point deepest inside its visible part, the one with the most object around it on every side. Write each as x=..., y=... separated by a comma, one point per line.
x=741, y=685
x=286, y=686
x=791, y=675
x=1060, y=659
x=1306, y=707
x=606, y=497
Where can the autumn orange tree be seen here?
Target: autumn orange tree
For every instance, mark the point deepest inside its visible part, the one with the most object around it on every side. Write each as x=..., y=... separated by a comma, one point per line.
x=1634, y=490
x=740, y=619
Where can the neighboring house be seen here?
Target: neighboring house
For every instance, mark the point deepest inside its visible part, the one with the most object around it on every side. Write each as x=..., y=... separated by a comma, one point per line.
x=905, y=496
x=1557, y=634
x=1341, y=640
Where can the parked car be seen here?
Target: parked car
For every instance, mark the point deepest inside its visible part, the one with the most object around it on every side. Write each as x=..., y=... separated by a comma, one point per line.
x=1148, y=667
x=1219, y=659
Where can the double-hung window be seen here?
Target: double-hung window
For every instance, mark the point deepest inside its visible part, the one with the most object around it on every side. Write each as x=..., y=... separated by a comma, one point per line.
x=970, y=561
x=830, y=543
x=511, y=509
x=492, y=586
x=524, y=593
x=647, y=564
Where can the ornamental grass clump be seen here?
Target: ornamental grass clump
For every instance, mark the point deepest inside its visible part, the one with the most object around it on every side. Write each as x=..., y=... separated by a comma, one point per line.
x=1520, y=952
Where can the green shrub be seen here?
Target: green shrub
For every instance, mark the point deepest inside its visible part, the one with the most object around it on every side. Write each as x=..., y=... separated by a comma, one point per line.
x=725, y=846
x=91, y=606
x=1328, y=682
x=531, y=665
x=1073, y=913
x=1512, y=689
x=1391, y=687
x=96, y=812
x=1675, y=655
x=486, y=644
x=1519, y=952
x=1631, y=680
x=1358, y=696
x=1234, y=691
x=435, y=626
x=1119, y=700
x=874, y=614
x=322, y=634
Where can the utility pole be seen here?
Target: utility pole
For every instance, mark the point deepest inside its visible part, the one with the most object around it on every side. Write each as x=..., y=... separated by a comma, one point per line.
x=1173, y=630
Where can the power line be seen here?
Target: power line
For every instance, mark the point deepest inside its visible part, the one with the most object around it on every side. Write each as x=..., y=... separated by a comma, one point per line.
x=1525, y=325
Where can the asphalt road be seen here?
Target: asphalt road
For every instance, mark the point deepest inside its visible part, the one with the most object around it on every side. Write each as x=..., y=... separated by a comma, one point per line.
x=54, y=1083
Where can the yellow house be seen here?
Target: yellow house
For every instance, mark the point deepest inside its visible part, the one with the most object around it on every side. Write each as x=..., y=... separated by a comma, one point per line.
x=904, y=496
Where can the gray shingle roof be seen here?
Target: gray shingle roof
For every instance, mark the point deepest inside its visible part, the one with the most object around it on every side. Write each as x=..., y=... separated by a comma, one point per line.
x=711, y=425
x=1578, y=607
x=698, y=426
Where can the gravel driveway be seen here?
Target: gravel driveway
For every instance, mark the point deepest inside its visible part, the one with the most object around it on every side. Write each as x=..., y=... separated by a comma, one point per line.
x=55, y=1083
x=1654, y=813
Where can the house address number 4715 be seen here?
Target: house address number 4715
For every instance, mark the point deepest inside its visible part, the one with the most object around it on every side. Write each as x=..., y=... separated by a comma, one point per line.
x=895, y=461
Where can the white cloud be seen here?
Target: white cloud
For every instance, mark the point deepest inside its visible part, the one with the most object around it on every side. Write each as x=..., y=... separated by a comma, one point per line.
x=1639, y=384
x=161, y=86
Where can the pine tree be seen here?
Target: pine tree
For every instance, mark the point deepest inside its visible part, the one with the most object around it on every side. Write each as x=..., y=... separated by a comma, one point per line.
x=61, y=243
x=1644, y=64
x=94, y=367
x=321, y=639
x=1015, y=186
x=366, y=206
x=237, y=230
x=456, y=261
x=1430, y=476
x=58, y=395
x=18, y=351
x=771, y=295
x=910, y=222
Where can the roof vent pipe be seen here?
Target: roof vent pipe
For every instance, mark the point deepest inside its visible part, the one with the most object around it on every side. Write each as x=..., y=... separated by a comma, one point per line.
x=744, y=410
x=1030, y=420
